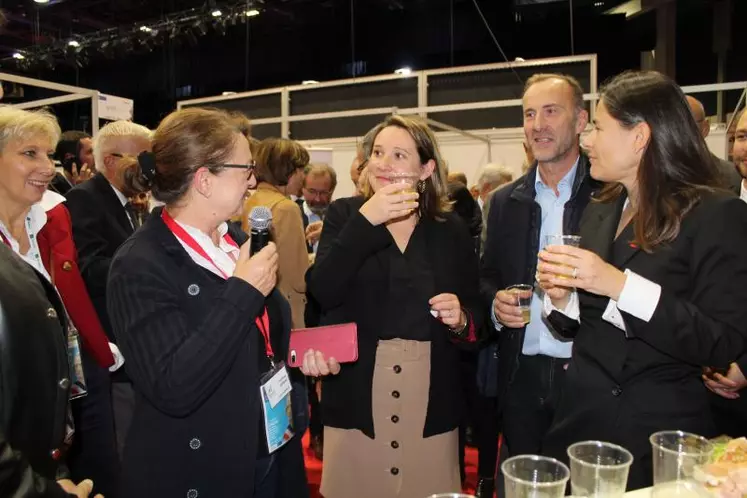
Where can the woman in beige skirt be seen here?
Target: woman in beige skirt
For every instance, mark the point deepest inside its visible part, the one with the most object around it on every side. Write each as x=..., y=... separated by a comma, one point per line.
x=398, y=263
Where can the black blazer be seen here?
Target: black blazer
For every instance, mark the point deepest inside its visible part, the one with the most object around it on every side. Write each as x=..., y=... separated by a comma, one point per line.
x=100, y=226
x=191, y=346
x=511, y=247
x=729, y=174
x=349, y=280
x=34, y=381
x=60, y=184
x=622, y=389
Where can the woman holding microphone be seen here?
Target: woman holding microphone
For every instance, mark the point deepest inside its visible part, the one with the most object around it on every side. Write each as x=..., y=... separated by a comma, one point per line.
x=400, y=265
x=657, y=289
x=202, y=328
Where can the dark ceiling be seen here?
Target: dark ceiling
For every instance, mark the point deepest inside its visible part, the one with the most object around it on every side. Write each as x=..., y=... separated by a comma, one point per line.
x=295, y=40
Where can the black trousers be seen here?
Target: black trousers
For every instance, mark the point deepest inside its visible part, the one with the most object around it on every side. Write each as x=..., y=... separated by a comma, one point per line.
x=531, y=402
x=730, y=415
x=316, y=423
x=480, y=414
x=93, y=454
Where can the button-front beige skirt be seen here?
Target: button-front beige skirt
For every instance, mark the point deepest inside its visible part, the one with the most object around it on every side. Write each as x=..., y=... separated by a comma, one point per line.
x=399, y=462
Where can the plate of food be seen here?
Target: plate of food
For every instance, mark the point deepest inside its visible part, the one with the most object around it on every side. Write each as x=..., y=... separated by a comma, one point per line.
x=726, y=473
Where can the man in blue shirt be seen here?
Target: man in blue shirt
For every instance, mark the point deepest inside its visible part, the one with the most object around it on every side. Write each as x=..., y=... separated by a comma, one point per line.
x=548, y=200
x=319, y=185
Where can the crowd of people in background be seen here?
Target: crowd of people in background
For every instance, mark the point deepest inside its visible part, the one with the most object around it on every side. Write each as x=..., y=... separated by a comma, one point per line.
x=132, y=308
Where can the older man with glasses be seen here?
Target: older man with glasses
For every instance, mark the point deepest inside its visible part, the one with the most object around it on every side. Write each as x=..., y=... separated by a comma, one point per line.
x=319, y=185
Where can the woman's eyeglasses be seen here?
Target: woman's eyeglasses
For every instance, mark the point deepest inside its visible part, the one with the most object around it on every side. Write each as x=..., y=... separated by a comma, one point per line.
x=248, y=167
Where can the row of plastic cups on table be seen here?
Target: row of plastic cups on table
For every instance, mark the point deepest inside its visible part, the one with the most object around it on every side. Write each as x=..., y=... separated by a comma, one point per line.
x=600, y=469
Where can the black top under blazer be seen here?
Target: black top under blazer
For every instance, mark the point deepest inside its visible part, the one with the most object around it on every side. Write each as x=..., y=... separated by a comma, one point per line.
x=190, y=344
x=622, y=389
x=350, y=280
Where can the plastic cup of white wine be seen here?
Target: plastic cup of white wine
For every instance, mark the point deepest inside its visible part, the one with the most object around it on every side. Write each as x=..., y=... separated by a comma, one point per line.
x=407, y=180
x=563, y=240
x=523, y=295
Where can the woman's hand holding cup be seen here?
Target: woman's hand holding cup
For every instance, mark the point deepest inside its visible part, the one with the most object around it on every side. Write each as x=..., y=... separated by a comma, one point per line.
x=389, y=203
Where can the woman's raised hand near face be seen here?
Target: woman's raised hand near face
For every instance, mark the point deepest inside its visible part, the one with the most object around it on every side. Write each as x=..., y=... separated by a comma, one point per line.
x=389, y=203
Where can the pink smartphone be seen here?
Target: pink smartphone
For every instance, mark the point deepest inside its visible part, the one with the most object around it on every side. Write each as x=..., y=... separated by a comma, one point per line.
x=334, y=341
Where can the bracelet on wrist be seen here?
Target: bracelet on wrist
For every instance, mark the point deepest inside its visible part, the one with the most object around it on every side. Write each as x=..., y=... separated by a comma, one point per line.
x=460, y=329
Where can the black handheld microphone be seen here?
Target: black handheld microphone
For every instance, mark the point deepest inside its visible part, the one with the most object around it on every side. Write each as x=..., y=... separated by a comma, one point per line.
x=260, y=221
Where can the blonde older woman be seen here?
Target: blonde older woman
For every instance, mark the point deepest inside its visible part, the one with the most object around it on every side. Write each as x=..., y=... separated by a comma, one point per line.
x=403, y=268
x=36, y=226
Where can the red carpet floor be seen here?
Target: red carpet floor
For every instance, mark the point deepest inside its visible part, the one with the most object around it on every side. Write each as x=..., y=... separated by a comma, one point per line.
x=314, y=469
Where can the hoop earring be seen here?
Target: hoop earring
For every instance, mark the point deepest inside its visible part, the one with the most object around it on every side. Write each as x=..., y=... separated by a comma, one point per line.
x=421, y=186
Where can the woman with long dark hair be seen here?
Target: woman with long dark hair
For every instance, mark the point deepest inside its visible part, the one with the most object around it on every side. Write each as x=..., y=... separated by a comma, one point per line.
x=656, y=290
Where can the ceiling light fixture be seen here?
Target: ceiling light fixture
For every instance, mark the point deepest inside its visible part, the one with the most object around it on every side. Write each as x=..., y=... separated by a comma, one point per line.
x=403, y=71
x=41, y=1
x=251, y=13
x=216, y=13
x=73, y=43
x=309, y=82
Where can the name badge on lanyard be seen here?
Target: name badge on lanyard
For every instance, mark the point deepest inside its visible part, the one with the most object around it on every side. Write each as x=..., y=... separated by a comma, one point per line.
x=274, y=392
x=78, y=387
x=274, y=386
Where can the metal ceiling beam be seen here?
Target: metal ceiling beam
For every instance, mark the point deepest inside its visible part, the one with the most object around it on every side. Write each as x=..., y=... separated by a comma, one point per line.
x=633, y=8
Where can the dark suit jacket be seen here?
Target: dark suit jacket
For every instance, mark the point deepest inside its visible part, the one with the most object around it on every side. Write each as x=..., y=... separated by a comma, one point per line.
x=511, y=247
x=60, y=184
x=467, y=209
x=729, y=173
x=192, y=351
x=100, y=226
x=622, y=389
x=34, y=381
x=350, y=282
x=61, y=261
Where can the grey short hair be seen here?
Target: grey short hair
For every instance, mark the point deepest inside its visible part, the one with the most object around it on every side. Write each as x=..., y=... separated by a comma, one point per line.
x=113, y=131
x=320, y=169
x=494, y=174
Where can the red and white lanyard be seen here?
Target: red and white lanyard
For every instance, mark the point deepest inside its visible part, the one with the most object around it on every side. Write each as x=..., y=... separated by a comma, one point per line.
x=263, y=321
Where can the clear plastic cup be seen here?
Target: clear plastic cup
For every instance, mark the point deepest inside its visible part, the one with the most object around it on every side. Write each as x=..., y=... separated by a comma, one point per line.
x=407, y=180
x=599, y=469
x=523, y=295
x=563, y=240
x=676, y=455
x=451, y=495
x=532, y=476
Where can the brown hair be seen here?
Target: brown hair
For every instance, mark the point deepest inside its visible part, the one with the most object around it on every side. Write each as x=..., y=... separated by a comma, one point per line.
x=243, y=123
x=676, y=166
x=578, y=91
x=185, y=141
x=434, y=200
x=278, y=158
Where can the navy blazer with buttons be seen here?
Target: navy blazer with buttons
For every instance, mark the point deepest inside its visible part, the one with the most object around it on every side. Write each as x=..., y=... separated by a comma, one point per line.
x=189, y=339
